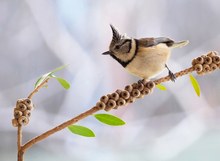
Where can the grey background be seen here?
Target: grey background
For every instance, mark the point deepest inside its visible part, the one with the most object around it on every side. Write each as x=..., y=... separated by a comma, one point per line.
x=40, y=35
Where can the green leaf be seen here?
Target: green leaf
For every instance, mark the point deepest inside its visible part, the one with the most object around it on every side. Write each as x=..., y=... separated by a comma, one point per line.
x=195, y=84
x=161, y=87
x=42, y=79
x=109, y=119
x=62, y=81
x=81, y=130
x=48, y=75
x=58, y=69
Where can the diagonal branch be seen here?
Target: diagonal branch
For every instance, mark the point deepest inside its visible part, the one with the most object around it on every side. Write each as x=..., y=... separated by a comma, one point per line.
x=88, y=113
x=202, y=65
x=59, y=128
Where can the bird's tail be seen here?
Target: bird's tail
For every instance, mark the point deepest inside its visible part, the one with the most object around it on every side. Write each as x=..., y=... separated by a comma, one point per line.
x=179, y=44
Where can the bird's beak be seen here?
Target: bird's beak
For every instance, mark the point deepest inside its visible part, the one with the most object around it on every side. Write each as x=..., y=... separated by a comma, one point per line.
x=106, y=53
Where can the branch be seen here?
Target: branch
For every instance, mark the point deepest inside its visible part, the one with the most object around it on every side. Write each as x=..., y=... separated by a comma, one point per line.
x=178, y=74
x=22, y=114
x=19, y=143
x=37, y=88
x=59, y=127
x=103, y=104
x=202, y=65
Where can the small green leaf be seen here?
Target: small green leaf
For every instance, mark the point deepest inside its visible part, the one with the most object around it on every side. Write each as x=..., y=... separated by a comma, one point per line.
x=58, y=69
x=81, y=130
x=41, y=79
x=109, y=119
x=63, y=82
x=48, y=75
x=195, y=84
x=161, y=87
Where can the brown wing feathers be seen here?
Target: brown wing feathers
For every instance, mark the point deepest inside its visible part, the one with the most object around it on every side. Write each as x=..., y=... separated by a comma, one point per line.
x=148, y=42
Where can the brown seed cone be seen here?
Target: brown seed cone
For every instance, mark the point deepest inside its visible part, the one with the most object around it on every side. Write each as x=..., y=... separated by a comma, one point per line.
x=118, y=91
x=27, y=102
x=146, y=91
x=140, y=86
x=131, y=99
x=194, y=62
x=207, y=60
x=213, y=66
x=145, y=81
x=107, y=108
x=14, y=122
x=121, y=102
x=125, y=94
x=23, y=120
x=21, y=106
x=141, y=95
x=206, y=68
x=100, y=105
x=129, y=88
x=17, y=113
x=216, y=59
x=199, y=60
x=150, y=85
x=198, y=68
x=110, y=105
x=203, y=56
x=212, y=53
x=27, y=113
x=30, y=107
x=135, y=85
x=114, y=96
x=135, y=93
x=20, y=100
x=104, y=99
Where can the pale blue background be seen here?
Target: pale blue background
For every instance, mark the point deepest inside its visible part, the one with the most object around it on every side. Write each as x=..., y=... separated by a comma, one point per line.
x=37, y=36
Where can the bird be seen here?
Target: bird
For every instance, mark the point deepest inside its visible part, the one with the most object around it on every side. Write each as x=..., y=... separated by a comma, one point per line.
x=144, y=57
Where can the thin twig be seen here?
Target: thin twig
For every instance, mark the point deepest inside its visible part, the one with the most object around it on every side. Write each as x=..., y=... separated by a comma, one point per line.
x=59, y=127
x=19, y=136
x=37, y=89
x=178, y=74
x=19, y=143
x=20, y=152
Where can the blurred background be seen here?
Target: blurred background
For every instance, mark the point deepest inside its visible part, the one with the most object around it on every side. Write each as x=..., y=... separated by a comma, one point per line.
x=40, y=35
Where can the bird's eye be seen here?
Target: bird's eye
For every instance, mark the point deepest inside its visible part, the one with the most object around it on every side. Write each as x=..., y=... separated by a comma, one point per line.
x=117, y=47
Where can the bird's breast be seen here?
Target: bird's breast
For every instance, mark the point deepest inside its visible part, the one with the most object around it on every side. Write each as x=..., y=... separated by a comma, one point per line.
x=149, y=61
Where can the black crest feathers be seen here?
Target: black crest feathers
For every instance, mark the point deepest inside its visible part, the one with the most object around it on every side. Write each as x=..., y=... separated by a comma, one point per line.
x=115, y=34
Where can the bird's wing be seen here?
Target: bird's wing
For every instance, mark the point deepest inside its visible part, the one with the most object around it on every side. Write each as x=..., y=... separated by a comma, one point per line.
x=148, y=42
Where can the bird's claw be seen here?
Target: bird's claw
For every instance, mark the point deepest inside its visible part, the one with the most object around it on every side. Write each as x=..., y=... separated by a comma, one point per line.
x=172, y=76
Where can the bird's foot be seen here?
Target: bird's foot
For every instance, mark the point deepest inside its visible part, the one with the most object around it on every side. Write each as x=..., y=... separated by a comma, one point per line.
x=171, y=75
